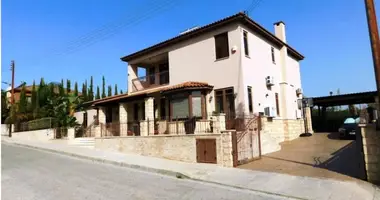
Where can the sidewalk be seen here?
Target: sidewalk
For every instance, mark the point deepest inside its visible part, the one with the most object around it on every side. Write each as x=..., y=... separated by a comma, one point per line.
x=272, y=183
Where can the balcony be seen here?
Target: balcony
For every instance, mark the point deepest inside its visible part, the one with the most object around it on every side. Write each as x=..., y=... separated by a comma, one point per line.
x=150, y=81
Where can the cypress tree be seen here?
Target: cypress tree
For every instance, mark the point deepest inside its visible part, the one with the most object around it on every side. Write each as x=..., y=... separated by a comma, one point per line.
x=103, y=87
x=23, y=103
x=84, y=92
x=121, y=91
x=76, y=89
x=109, y=90
x=34, y=96
x=91, y=90
x=116, y=89
x=97, y=93
x=61, y=89
x=68, y=86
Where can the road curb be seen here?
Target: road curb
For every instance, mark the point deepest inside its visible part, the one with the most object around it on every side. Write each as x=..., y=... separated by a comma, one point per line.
x=146, y=169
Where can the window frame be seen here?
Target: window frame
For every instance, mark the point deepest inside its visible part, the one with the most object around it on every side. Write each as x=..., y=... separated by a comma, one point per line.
x=250, y=101
x=277, y=104
x=273, y=55
x=189, y=95
x=225, y=34
x=245, y=43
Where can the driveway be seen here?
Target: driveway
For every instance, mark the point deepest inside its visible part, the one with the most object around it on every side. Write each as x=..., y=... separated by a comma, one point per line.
x=322, y=155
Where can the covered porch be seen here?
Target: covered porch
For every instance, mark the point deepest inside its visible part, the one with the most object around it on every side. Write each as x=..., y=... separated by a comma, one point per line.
x=178, y=109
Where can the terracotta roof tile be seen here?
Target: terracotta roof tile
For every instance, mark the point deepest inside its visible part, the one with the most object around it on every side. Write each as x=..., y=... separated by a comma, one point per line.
x=189, y=84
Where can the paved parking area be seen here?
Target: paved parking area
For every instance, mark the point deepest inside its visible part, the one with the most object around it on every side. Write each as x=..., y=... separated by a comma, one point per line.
x=322, y=155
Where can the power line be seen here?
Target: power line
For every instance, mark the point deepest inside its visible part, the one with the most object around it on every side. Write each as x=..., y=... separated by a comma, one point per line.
x=110, y=30
x=253, y=5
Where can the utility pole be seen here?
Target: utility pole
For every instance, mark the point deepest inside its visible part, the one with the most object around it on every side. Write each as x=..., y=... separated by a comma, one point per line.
x=12, y=92
x=375, y=45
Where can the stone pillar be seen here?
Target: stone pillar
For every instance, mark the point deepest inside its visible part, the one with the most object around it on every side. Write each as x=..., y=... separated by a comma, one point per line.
x=308, y=120
x=70, y=133
x=123, y=119
x=222, y=121
x=98, y=130
x=132, y=74
x=149, y=108
x=369, y=140
x=102, y=115
x=226, y=149
x=144, y=128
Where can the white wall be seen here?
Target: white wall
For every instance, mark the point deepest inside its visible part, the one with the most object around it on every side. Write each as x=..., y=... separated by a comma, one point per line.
x=5, y=129
x=259, y=65
x=256, y=67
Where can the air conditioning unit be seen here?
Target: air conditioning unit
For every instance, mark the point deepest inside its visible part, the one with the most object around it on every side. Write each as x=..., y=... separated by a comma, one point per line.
x=269, y=80
x=299, y=91
x=298, y=114
x=269, y=111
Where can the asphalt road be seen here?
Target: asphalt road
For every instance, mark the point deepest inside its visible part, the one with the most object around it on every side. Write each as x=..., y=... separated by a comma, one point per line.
x=34, y=174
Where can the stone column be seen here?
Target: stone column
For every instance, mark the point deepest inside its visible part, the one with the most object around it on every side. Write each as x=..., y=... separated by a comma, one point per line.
x=369, y=139
x=70, y=133
x=149, y=118
x=226, y=149
x=123, y=119
x=308, y=120
x=102, y=115
x=132, y=74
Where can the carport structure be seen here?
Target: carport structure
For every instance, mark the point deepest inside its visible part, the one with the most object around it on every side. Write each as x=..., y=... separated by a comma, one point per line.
x=345, y=99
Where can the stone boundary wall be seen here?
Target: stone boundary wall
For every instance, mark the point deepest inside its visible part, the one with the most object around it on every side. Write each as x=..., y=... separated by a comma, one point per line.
x=368, y=141
x=172, y=147
x=36, y=135
x=275, y=131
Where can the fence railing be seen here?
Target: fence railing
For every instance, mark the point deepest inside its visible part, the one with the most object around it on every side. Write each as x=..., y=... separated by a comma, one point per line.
x=37, y=124
x=150, y=81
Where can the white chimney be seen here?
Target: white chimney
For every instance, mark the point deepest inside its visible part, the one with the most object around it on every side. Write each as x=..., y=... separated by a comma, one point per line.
x=279, y=30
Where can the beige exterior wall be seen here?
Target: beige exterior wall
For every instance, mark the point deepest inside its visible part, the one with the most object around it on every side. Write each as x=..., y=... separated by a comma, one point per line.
x=369, y=139
x=91, y=115
x=173, y=147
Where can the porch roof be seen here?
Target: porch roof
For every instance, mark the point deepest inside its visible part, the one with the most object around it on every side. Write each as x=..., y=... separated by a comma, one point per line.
x=144, y=93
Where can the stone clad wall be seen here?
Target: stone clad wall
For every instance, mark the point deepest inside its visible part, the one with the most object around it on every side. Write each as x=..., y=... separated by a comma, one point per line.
x=369, y=141
x=275, y=131
x=173, y=147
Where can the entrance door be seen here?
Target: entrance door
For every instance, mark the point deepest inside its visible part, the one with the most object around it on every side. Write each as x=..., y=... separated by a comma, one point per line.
x=225, y=103
x=206, y=150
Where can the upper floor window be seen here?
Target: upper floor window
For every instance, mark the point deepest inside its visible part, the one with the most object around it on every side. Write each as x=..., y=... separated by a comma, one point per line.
x=245, y=38
x=277, y=104
x=273, y=56
x=221, y=46
x=250, y=105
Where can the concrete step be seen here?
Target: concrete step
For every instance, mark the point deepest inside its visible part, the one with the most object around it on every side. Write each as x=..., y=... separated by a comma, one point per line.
x=83, y=142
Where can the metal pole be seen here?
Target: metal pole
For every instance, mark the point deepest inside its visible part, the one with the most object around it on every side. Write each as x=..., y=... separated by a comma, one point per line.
x=12, y=93
x=375, y=44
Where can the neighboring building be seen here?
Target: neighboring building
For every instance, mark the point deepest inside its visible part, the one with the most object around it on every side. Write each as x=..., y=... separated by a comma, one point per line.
x=232, y=66
x=17, y=93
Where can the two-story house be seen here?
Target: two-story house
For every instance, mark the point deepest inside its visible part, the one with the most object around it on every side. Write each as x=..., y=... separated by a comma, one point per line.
x=232, y=66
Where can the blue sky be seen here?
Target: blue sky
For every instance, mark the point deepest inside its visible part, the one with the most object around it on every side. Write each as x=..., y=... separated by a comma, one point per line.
x=76, y=39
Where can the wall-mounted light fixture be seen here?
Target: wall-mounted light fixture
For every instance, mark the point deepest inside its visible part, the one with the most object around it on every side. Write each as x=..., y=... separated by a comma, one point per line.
x=210, y=99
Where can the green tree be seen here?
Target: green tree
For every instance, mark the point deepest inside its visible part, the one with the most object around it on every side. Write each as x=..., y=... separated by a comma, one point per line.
x=61, y=89
x=121, y=91
x=68, y=86
x=97, y=93
x=91, y=90
x=76, y=89
x=103, y=87
x=116, y=89
x=84, y=91
x=109, y=90
x=4, y=106
x=23, y=103
x=34, y=96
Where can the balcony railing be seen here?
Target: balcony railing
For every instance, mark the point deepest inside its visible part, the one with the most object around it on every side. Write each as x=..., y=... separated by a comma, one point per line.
x=150, y=81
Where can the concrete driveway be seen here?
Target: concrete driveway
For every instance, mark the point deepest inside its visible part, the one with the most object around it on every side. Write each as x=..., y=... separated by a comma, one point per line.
x=322, y=155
